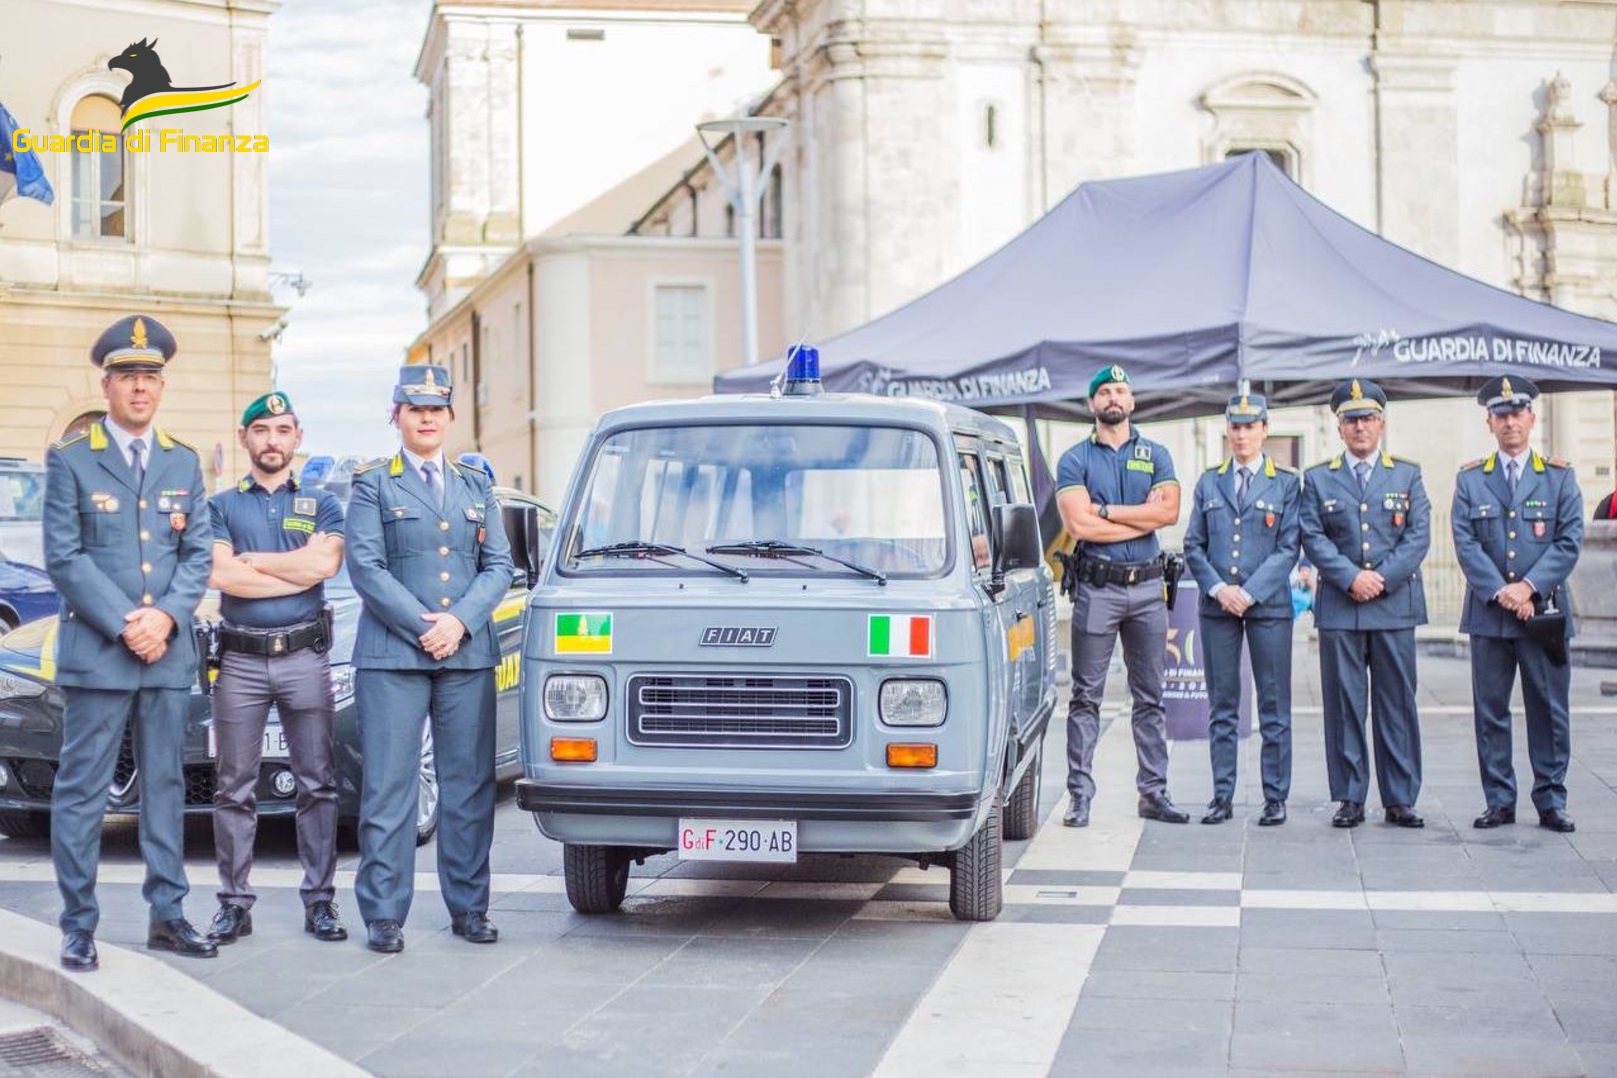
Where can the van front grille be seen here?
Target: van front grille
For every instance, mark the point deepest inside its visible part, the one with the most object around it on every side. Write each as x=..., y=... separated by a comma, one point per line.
x=743, y=712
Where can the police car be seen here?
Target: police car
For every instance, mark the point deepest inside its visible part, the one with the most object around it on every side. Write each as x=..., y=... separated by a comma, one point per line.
x=790, y=624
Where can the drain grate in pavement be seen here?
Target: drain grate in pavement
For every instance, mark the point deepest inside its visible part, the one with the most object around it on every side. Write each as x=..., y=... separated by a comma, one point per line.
x=43, y=1053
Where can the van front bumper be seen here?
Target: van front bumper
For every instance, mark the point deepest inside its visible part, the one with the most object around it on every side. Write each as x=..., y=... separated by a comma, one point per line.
x=764, y=802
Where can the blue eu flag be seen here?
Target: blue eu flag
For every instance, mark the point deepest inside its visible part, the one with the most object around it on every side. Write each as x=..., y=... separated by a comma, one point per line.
x=20, y=173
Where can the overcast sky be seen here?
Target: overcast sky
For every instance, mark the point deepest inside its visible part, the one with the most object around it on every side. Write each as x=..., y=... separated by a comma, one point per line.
x=348, y=208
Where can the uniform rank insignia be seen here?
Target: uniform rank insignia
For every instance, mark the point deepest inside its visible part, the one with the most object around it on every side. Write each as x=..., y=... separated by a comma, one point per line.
x=177, y=521
x=303, y=507
x=1142, y=452
x=471, y=514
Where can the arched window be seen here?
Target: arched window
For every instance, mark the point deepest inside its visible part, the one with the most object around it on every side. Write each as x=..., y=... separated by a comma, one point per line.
x=1267, y=111
x=100, y=178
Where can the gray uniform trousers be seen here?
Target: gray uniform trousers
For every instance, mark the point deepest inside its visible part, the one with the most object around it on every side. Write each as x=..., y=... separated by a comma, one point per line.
x=92, y=733
x=1269, y=644
x=1101, y=614
x=391, y=706
x=299, y=685
x=1348, y=658
x=1545, y=687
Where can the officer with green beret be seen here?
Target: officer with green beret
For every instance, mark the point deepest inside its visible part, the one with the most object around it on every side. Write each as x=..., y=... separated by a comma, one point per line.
x=1115, y=490
x=126, y=544
x=275, y=543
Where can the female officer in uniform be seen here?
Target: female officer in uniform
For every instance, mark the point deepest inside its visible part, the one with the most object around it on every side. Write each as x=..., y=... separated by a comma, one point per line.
x=427, y=553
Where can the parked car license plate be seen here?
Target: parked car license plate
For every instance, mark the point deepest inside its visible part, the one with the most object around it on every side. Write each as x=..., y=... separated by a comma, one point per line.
x=738, y=840
x=274, y=742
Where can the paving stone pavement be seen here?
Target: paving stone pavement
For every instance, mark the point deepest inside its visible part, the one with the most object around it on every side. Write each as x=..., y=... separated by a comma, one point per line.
x=1128, y=948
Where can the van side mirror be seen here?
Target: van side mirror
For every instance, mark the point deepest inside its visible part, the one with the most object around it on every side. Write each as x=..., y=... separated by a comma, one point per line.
x=1020, y=546
x=522, y=529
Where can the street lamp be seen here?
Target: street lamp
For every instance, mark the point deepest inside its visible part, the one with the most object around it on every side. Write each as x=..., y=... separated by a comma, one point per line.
x=744, y=188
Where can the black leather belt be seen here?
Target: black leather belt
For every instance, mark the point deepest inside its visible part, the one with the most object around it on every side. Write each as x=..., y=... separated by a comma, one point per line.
x=310, y=634
x=1100, y=571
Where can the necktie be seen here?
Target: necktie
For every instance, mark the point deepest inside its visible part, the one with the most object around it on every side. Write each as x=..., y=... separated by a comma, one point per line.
x=1243, y=485
x=137, y=448
x=1512, y=473
x=1362, y=470
x=429, y=472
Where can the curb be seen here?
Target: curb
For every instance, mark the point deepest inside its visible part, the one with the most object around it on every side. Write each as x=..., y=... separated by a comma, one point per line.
x=157, y=1022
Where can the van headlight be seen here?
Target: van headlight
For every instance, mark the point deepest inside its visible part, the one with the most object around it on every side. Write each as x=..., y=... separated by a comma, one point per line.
x=575, y=697
x=913, y=702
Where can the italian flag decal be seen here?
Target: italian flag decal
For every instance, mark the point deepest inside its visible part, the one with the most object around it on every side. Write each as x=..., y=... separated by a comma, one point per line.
x=583, y=634
x=901, y=636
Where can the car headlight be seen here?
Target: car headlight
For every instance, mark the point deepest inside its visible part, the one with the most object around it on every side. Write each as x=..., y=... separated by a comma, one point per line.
x=575, y=697
x=20, y=687
x=342, y=683
x=913, y=702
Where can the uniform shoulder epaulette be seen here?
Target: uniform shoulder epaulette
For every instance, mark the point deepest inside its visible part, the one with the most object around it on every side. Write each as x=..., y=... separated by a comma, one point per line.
x=1287, y=468
x=1326, y=463
x=1216, y=466
x=1404, y=460
x=370, y=465
x=72, y=439
x=168, y=441
x=1468, y=465
x=1558, y=462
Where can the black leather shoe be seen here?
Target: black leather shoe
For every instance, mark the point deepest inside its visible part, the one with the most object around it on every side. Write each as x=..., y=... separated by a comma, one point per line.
x=1274, y=814
x=1219, y=809
x=476, y=927
x=1403, y=816
x=178, y=936
x=78, y=951
x=384, y=936
x=230, y=924
x=1159, y=806
x=1349, y=814
x=1556, y=820
x=322, y=920
x=1495, y=816
x=1077, y=814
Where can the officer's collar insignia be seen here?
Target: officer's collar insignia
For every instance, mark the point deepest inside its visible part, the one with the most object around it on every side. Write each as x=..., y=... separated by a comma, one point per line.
x=1538, y=462
x=395, y=467
x=1268, y=467
x=1489, y=462
x=1386, y=459
x=245, y=485
x=137, y=336
x=164, y=440
x=98, y=437
x=1225, y=467
x=1336, y=462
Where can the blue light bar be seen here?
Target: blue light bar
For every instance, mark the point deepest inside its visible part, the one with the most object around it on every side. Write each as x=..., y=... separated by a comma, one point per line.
x=803, y=370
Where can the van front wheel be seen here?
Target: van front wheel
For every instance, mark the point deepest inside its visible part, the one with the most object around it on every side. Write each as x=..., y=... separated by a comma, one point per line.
x=976, y=886
x=1022, y=810
x=597, y=877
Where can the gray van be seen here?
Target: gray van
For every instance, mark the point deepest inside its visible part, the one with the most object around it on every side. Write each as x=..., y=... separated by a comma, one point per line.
x=789, y=624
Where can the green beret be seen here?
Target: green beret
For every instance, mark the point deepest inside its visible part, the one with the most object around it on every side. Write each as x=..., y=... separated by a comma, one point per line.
x=1114, y=373
x=270, y=404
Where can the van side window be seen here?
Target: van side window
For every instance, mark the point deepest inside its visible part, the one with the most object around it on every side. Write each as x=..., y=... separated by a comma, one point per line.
x=976, y=493
x=999, y=483
x=1020, y=493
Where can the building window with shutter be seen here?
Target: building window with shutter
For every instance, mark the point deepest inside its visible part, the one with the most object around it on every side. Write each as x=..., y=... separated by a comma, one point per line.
x=100, y=179
x=682, y=337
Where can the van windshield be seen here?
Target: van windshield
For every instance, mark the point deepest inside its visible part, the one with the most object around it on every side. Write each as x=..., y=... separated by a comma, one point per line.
x=868, y=495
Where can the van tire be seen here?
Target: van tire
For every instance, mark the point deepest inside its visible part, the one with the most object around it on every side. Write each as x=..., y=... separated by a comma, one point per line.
x=25, y=824
x=597, y=877
x=976, y=886
x=1022, y=809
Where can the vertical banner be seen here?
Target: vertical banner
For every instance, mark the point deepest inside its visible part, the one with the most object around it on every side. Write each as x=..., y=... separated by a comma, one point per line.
x=1184, y=672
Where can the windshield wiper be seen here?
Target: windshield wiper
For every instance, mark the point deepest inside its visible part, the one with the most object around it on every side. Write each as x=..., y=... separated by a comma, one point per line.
x=775, y=548
x=639, y=549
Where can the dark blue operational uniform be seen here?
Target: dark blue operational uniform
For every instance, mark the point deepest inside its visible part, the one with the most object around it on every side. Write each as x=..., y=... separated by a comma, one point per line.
x=1518, y=520
x=1119, y=594
x=1368, y=515
x=410, y=554
x=126, y=529
x=1245, y=533
x=274, y=651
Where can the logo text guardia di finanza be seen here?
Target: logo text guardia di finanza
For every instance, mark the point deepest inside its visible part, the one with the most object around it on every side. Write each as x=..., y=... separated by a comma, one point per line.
x=152, y=93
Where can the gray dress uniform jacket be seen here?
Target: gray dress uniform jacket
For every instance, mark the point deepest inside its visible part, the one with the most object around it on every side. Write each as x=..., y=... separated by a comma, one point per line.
x=1387, y=527
x=1252, y=546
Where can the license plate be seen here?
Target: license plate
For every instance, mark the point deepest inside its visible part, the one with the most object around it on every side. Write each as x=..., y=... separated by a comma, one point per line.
x=738, y=840
x=274, y=747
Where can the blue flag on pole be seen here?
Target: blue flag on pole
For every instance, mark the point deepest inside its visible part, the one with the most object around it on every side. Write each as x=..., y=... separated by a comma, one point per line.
x=20, y=173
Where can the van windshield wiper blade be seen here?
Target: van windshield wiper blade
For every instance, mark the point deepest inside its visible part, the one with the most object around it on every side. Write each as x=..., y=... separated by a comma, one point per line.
x=639, y=549
x=775, y=548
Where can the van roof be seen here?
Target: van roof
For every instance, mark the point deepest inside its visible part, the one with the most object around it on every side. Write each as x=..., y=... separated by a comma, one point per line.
x=862, y=408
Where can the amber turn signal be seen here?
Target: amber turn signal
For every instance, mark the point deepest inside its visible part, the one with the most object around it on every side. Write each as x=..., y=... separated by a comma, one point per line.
x=918, y=755
x=573, y=750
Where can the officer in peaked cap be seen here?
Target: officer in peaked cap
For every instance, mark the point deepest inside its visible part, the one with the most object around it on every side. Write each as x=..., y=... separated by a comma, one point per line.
x=1518, y=530
x=1242, y=540
x=275, y=543
x=428, y=554
x=1366, y=523
x=126, y=544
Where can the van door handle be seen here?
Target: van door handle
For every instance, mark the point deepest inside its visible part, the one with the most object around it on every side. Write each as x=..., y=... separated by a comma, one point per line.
x=1020, y=614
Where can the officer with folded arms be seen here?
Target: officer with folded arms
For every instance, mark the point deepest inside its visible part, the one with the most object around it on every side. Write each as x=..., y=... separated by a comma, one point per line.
x=1518, y=530
x=1115, y=490
x=126, y=544
x=1241, y=544
x=1367, y=524
x=275, y=544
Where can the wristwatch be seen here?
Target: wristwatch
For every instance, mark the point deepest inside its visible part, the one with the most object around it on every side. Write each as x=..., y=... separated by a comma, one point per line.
x=1103, y=512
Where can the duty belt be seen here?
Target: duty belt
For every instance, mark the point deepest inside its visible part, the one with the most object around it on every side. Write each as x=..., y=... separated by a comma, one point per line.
x=311, y=634
x=1099, y=571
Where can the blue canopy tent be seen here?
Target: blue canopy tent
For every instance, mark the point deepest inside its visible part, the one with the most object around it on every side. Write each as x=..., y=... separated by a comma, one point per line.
x=1193, y=280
